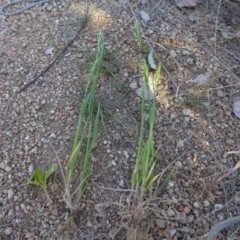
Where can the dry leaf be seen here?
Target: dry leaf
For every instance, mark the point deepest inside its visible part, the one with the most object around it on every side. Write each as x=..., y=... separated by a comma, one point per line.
x=147, y=93
x=236, y=107
x=203, y=79
x=68, y=54
x=144, y=16
x=151, y=60
x=187, y=3
x=147, y=90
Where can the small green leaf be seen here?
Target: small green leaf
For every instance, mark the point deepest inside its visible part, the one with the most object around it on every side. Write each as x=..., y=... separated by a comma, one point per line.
x=39, y=176
x=52, y=169
x=33, y=182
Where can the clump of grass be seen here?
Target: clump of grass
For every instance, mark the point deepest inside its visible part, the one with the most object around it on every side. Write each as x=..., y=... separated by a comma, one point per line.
x=146, y=182
x=85, y=138
x=138, y=37
x=143, y=175
x=196, y=103
x=108, y=67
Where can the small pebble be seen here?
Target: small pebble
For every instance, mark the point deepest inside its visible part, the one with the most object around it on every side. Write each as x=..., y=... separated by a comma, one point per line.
x=113, y=163
x=121, y=183
x=187, y=112
x=200, y=231
x=170, y=212
x=2, y=165
x=30, y=168
x=8, y=169
x=10, y=193
x=49, y=8
x=89, y=224
x=10, y=213
x=219, y=193
x=117, y=137
x=8, y=231
x=125, y=74
x=179, y=164
x=187, y=210
x=230, y=141
x=180, y=144
x=170, y=184
x=220, y=93
x=160, y=223
x=218, y=206
x=190, y=61
x=220, y=217
x=172, y=232
x=236, y=199
x=133, y=85
x=190, y=218
x=185, y=52
x=206, y=203
x=196, y=204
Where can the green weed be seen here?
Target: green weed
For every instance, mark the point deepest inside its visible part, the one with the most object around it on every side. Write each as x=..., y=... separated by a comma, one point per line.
x=40, y=178
x=138, y=34
x=138, y=37
x=143, y=175
x=196, y=103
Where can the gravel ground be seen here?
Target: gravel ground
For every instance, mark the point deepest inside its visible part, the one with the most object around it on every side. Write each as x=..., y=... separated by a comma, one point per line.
x=195, y=125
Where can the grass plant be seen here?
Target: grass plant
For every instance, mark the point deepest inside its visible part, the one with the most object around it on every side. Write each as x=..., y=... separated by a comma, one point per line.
x=196, y=103
x=143, y=175
x=138, y=34
x=108, y=66
x=138, y=37
x=40, y=178
x=146, y=182
x=85, y=138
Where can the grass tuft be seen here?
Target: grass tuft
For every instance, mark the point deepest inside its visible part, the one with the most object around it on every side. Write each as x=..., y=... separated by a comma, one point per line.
x=138, y=34
x=86, y=136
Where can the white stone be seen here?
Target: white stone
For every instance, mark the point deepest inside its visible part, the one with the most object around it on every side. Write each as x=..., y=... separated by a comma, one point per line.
x=8, y=231
x=10, y=193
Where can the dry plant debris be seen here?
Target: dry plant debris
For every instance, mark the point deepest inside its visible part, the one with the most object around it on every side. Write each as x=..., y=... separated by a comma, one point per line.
x=195, y=125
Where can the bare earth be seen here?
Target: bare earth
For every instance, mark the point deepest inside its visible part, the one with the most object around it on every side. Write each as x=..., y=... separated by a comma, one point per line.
x=195, y=128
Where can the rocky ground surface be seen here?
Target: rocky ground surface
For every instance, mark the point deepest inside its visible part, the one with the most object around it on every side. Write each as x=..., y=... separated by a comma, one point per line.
x=196, y=127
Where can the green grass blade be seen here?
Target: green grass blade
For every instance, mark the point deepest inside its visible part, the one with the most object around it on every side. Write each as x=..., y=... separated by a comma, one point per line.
x=164, y=183
x=80, y=120
x=72, y=162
